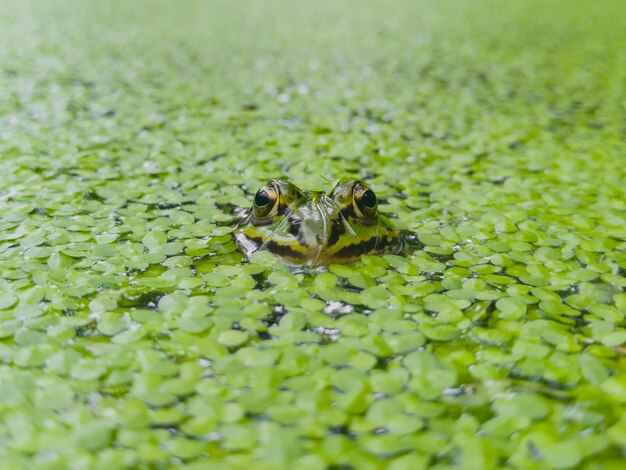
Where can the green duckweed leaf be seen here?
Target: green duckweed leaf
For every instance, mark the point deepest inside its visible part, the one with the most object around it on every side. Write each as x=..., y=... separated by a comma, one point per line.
x=232, y=338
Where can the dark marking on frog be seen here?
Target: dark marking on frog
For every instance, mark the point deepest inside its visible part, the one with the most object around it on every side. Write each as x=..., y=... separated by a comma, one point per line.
x=337, y=229
x=281, y=250
x=295, y=228
x=374, y=243
x=284, y=250
x=282, y=208
x=348, y=212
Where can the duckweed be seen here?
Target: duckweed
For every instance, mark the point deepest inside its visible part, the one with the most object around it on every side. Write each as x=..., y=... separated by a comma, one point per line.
x=133, y=334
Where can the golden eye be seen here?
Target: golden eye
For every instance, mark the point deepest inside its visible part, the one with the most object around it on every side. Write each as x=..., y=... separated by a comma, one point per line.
x=368, y=199
x=264, y=200
x=365, y=200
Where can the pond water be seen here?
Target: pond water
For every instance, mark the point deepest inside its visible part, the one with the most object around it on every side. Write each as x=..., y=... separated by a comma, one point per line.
x=134, y=334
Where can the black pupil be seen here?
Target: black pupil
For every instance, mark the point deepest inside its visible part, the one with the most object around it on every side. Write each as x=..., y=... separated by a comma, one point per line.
x=262, y=198
x=368, y=199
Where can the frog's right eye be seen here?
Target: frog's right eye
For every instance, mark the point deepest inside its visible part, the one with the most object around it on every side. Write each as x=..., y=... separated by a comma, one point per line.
x=365, y=201
x=265, y=200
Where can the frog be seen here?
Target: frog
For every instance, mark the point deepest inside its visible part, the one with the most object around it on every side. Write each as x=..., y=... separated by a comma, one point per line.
x=316, y=228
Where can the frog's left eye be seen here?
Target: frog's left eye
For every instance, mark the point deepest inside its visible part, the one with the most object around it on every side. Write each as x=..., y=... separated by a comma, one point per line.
x=265, y=200
x=262, y=198
x=365, y=200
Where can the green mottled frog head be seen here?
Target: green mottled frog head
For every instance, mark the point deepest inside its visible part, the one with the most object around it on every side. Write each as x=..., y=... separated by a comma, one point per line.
x=316, y=228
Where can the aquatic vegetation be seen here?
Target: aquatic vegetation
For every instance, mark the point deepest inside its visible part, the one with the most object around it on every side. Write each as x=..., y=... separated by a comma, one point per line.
x=133, y=333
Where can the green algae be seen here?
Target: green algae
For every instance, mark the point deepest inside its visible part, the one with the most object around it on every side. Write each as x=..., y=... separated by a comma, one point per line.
x=132, y=332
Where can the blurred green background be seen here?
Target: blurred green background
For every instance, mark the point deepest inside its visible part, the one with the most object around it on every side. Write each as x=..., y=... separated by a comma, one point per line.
x=133, y=334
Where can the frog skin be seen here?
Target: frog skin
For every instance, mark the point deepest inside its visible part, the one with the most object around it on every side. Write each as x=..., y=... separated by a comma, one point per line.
x=316, y=228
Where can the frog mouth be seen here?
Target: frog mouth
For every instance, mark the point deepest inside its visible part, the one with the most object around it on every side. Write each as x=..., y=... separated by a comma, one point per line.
x=330, y=245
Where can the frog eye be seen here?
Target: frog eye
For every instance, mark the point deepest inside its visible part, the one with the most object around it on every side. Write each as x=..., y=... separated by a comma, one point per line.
x=265, y=200
x=262, y=198
x=365, y=200
x=368, y=199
